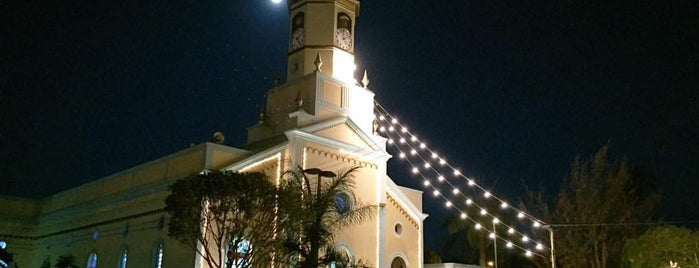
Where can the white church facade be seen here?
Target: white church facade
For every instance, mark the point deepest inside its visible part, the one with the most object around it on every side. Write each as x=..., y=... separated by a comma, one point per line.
x=320, y=118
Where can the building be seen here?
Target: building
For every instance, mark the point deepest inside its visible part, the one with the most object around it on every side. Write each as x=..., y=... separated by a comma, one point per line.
x=321, y=117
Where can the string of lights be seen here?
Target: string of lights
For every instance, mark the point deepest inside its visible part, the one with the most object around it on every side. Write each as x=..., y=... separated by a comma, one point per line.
x=426, y=164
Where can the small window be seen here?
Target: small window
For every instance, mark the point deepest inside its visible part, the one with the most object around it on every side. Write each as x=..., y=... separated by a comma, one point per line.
x=92, y=260
x=158, y=256
x=398, y=228
x=122, y=259
x=95, y=235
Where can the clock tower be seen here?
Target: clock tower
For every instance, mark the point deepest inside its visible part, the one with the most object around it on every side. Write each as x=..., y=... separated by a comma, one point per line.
x=320, y=72
x=325, y=28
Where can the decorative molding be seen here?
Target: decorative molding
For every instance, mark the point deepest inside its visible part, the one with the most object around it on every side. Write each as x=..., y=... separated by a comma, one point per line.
x=404, y=212
x=342, y=157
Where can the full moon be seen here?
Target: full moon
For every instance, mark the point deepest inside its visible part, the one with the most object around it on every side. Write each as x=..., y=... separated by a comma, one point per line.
x=276, y=1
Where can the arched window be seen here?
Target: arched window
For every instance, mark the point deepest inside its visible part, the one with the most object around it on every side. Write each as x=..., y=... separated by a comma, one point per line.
x=343, y=202
x=398, y=262
x=342, y=257
x=123, y=257
x=297, y=22
x=344, y=22
x=92, y=260
x=237, y=252
x=158, y=256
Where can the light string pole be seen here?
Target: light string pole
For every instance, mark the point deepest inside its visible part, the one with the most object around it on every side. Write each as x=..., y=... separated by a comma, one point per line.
x=495, y=246
x=549, y=227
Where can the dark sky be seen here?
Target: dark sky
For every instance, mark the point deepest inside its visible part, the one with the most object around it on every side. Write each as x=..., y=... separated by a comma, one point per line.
x=510, y=91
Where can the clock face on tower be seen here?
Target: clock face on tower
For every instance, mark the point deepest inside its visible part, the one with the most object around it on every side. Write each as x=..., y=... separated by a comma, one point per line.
x=343, y=38
x=297, y=38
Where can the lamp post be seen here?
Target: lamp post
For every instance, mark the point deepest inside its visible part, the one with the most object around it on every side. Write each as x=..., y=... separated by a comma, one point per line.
x=321, y=174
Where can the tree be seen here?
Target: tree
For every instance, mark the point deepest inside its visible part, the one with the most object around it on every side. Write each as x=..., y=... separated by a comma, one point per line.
x=227, y=217
x=312, y=210
x=475, y=248
x=659, y=246
x=66, y=261
x=596, y=209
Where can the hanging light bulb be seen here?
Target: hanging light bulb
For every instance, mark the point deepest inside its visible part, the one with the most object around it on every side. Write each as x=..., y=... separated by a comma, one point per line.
x=413, y=152
x=528, y=253
x=426, y=183
x=509, y=244
x=413, y=138
x=511, y=231
x=486, y=194
x=483, y=212
x=382, y=129
x=503, y=205
x=457, y=172
x=401, y=155
x=496, y=220
x=442, y=162
x=422, y=146
x=478, y=226
x=525, y=239
x=415, y=170
x=391, y=128
x=394, y=121
x=469, y=201
x=402, y=140
x=403, y=130
x=381, y=117
x=427, y=165
x=440, y=178
x=537, y=224
x=463, y=215
x=539, y=246
x=434, y=155
x=455, y=191
x=447, y=204
x=471, y=182
x=435, y=193
x=520, y=215
x=390, y=141
x=492, y=235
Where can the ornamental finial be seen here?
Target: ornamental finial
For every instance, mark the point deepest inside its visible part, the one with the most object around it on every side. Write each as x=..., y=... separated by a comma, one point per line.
x=318, y=62
x=365, y=80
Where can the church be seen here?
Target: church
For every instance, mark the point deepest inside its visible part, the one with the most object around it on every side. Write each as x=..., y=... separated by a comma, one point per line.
x=321, y=117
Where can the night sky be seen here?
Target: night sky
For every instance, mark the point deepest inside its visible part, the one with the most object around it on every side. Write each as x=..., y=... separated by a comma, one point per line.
x=509, y=91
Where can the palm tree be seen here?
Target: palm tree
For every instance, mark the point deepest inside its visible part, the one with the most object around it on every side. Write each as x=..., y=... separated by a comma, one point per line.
x=313, y=209
x=66, y=261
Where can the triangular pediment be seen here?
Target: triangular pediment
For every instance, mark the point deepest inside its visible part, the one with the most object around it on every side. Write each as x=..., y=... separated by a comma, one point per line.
x=343, y=130
x=343, y=133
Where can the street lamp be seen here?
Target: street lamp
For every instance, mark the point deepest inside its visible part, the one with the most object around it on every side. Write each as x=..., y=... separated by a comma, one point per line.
x=321, y=174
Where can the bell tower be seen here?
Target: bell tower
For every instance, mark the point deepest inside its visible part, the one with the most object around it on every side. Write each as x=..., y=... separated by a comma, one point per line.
x=325, y=28
x=320, y=72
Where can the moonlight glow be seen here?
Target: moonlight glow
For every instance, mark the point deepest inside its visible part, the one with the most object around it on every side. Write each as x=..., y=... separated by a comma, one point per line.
x=276, y=1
